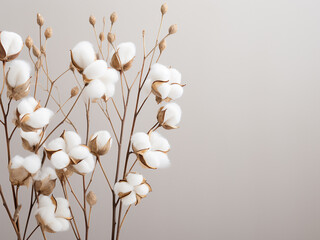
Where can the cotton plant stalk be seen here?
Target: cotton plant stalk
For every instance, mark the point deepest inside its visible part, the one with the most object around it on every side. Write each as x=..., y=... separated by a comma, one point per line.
x=55, y=153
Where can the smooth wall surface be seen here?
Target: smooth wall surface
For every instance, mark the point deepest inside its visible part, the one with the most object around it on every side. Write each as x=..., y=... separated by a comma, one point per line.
x=245, y=161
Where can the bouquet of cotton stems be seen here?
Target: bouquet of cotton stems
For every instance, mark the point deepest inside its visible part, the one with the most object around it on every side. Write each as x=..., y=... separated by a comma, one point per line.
x=55, y=153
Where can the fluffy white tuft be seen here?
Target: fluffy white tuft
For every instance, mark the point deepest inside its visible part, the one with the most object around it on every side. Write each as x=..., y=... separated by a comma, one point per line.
x=16, y=162
x=60, y=160
x=159, y=72
x=173, y=114
x=57, y=144
x=40, y=118
x=122, y=187
x=176, y=91
x=147, y=86
x=71, y=139
x=164, y=90
x=32, y=163
x=140, y=141
x=126, y=52
x=102, y=138
x=130, y=199
x=95, y=89
x=33, y=138
x=134, y=179
x=19, y=72
x=96, y=69
x=44, y=173
x=110, y=76
x=27, y=105
x=62, y=210
x=175, y=76
x=11, y=42
x=79, y=152
x=142, y=189
x=158, y=142
x=86, y=165
x=83, y=54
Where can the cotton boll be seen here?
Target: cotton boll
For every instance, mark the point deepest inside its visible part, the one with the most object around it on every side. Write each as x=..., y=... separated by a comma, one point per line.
x=175, y=76
x=71, y=139
x=172, y=114
x=130, y=199
x=83, y=54
x=85, y=166
x=140, y=141
x=102, y=138
x=134, y=179
x=152, y=159
x=110, y=76
x=109, y=89
x=142, y=189
x=159, y=72
x=62, y=210
x=33, y=138
x=122, y=187
x=126, y=52
x=158, y=142
x=96, y=70
x=45, y=172
x=176, y=91
x=163, y=89
x=44, y=201
x=100, y=142
x=57, y=144
x=64, y=224
x=32, y=163
x=95, y=89
x=39, y=118
x=16, y=162
x=46, y=213
x=19, y=72
x=27, y=105
x=55, y=225
x=79, y=152
x=164, y=161
x=60, y=160
x=11, y=42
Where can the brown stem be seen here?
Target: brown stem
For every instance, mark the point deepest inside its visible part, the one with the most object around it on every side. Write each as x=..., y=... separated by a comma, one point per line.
x=33, y=232
x=85, y=207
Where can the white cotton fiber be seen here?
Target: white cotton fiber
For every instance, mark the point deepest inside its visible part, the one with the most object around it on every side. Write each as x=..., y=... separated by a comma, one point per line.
x=86, y=165
x=140, y=141
x=130, y=199
x=27, y=105
x=95, y=89
x=173, y=114
x=110, y=76
x=134, y=179
x=164, y=90
x=71, y=139
x=83, y=54
x=96, y=70
x=60, y=160
x=159, y=72
x=79, y=152
x=158, y=142
x=109, y=89
x=19, y=72
x=11, y=42
x=40, y=118
x=16, y=162
x=126, y=52
x=176, y=91
x=142, y=189
x=102, y=138
x=33, y=138
x=62, y=210
x=164, y=161
x=122, y=187
x=175, y=76
x=44, y=201
x=57, y=144
x=32, y=163
x=44, y=173
x=55, y=225
x=152, y=158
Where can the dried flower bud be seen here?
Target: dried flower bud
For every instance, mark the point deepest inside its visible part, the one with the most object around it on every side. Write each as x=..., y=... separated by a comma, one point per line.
x=43, y=49
x=173, y=29
x=74, y=91
x=101, y=36
x=162, y=45
x=164, y=8
x=113, y=17
x=40, y=19
x=29, y=42
x=91, y=198
x=92, y=20
x=111, y=37
x=36, y=52
x=48, y=33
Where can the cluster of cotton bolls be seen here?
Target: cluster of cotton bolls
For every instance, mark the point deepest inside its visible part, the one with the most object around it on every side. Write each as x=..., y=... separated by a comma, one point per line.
x=132, y=189
x=67, y=151
x=31, y=116
x=53, y=214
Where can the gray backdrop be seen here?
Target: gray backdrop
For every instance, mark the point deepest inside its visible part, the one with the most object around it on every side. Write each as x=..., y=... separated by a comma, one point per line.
x=245, y=162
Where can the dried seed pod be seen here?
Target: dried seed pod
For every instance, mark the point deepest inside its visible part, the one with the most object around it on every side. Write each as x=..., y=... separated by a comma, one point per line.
x=43, y=49
x=92, y=20
x=48, y=33
x=162, y=45
x=91, y=198
x=111, y=37
x=74, y=91
x=113, y=17
x=36, y=52
x=101, y=36
x=40, y=19
x=164, y=8
x=173, y=29
x=29, y=42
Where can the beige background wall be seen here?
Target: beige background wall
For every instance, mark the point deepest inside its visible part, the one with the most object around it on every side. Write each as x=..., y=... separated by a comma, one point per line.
x=245, y=162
